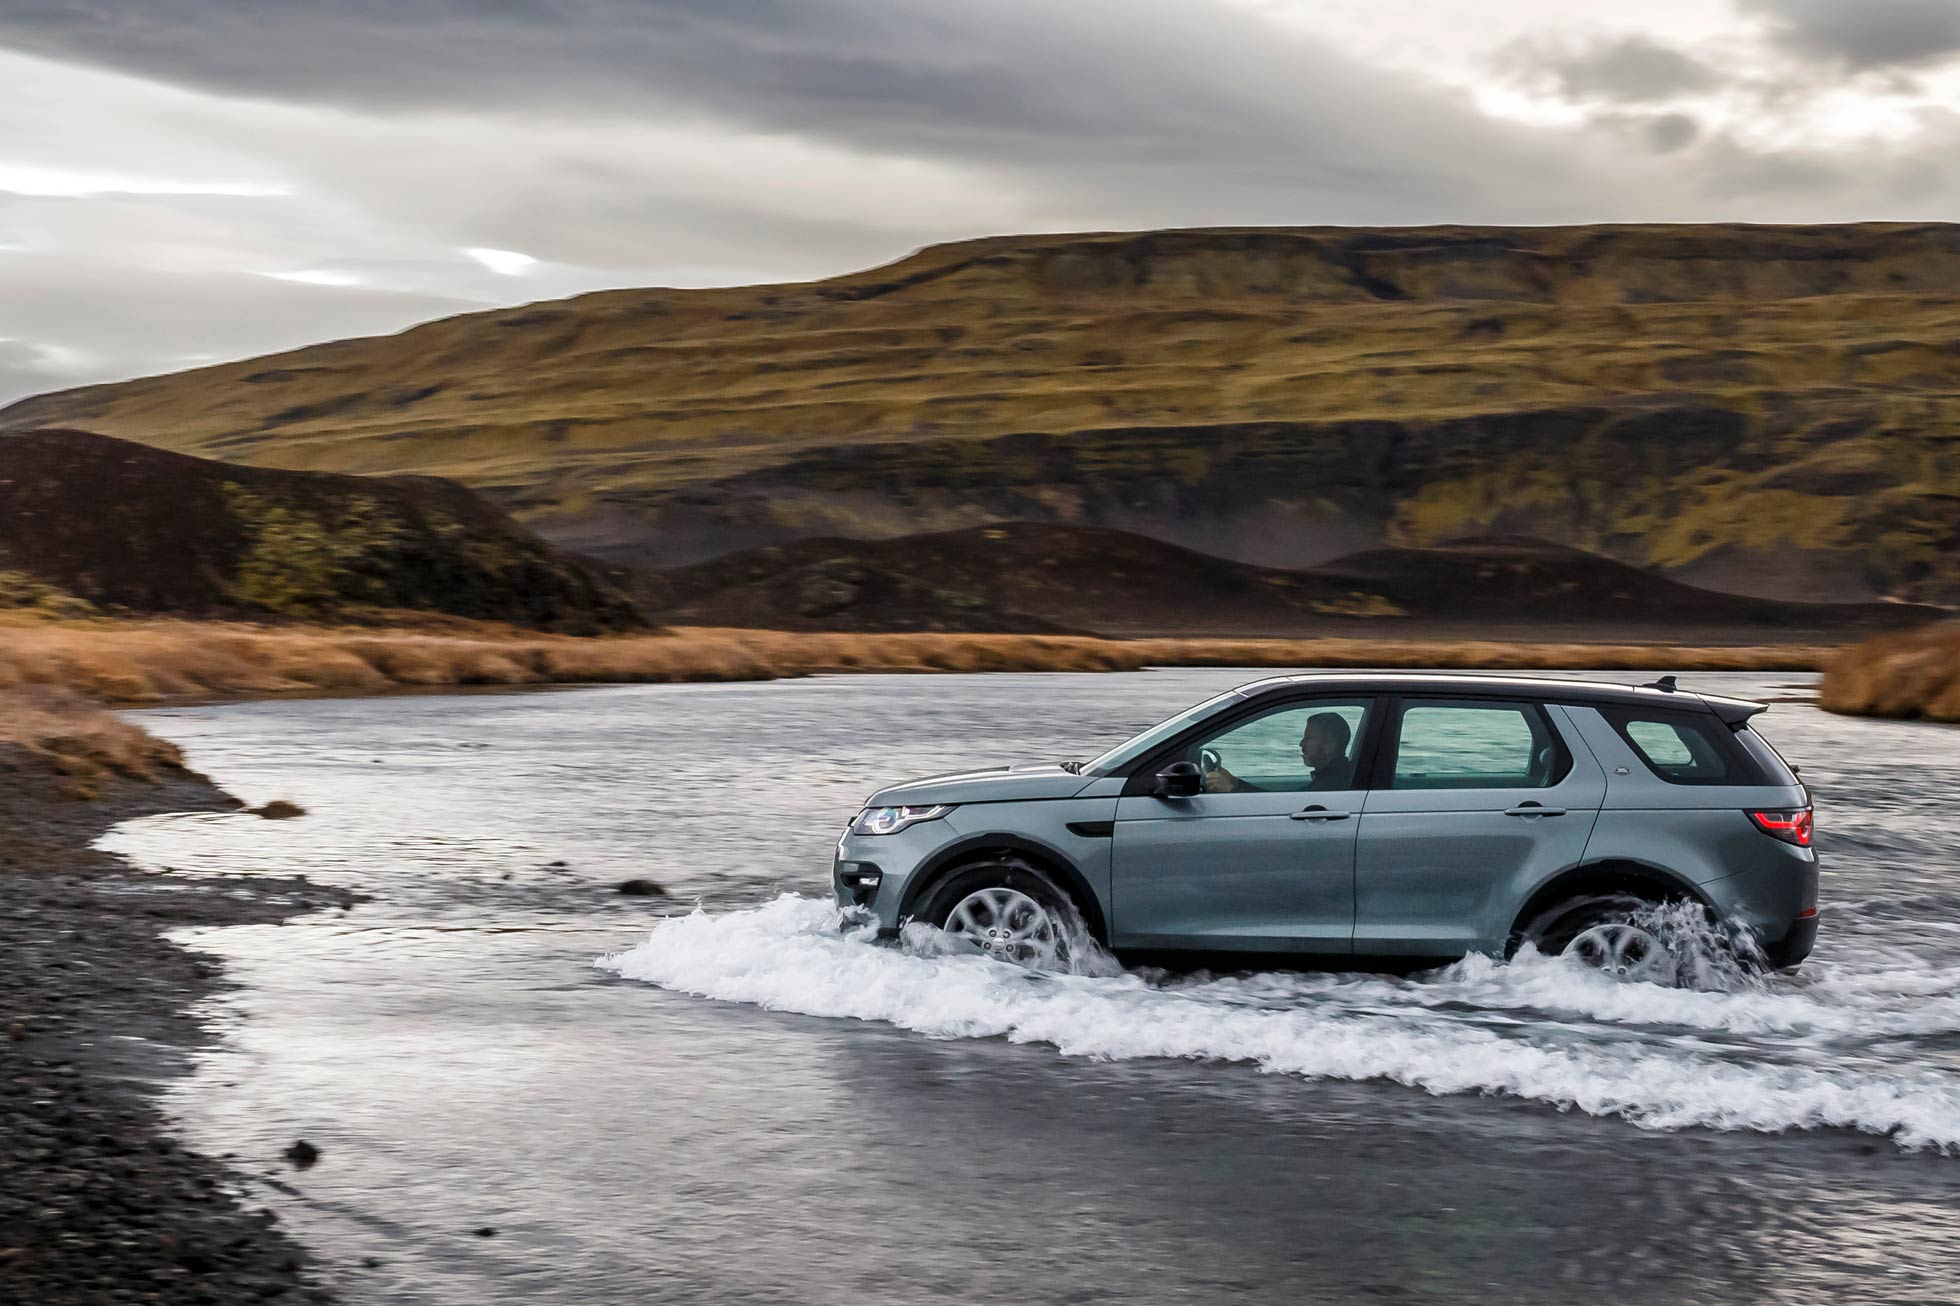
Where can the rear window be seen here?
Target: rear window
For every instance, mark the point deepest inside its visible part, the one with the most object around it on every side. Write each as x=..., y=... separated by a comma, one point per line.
x=1476, y=745
x=1685, y=748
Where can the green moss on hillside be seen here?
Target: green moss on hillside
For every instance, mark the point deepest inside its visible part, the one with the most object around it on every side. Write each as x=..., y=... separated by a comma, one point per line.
x=299, y=564
x=21, y=591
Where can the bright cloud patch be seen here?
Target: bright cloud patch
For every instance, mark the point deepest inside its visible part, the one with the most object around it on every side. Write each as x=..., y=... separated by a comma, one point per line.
x=317, y=277
x=506, y=261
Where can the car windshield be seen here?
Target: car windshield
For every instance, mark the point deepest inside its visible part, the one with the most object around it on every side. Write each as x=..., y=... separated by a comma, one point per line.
x=1137, y=745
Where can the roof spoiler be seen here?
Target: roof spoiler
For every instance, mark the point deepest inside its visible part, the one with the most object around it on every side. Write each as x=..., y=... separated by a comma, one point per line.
x=1734, y=711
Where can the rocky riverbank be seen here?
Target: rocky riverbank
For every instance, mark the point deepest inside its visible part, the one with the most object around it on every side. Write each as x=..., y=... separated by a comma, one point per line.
x=98, y=1202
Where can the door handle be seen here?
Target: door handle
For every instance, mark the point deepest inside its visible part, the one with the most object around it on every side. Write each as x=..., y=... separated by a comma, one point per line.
x=1318, y=813
x=1533, y=809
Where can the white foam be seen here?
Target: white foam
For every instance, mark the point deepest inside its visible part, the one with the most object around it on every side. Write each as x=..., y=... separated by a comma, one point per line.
x=1443, y=1034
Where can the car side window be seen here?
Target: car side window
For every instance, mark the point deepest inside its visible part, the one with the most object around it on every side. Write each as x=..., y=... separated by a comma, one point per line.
x=1471, y=744
x=1299, y=747
x=1683, y=748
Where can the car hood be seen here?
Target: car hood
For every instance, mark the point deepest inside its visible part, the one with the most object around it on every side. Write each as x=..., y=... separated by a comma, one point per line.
x=999, y=784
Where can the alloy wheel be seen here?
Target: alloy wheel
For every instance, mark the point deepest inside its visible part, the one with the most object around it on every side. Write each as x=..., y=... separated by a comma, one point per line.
x=1007, y=925
x=1623, y=950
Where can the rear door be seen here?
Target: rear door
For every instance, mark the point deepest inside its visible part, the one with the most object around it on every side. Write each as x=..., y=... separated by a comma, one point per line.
x=1474, y=802
x=1266, y=865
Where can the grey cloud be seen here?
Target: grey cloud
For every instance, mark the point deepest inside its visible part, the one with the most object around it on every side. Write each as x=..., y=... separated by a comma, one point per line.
x=1671, y=131
x=1739, y=173
x=1022, y=83
x=128, y=321
x=1865, y=34
x=25, y=369
x=637, y=142
x=1629, y=70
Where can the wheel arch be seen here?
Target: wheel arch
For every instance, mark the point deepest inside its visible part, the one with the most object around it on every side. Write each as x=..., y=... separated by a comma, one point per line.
x=1610, y=875
x=1041, y=856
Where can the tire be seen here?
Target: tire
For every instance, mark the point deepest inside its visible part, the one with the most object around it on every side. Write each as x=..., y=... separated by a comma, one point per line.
x=1605, y=932
x=1036, y=919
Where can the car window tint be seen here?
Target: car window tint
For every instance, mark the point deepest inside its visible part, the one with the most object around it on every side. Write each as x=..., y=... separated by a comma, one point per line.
x=1476, y=746
x=1265, y=753
x=1775, y=770
x=1683, y=748
x=1661, y=742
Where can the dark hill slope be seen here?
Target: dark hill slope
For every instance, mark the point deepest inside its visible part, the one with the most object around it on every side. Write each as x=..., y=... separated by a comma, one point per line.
x=126, y=527
x=1774, y=407
x=1046, y=578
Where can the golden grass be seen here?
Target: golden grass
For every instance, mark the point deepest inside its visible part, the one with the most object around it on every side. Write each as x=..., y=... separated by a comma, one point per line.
x=1913, y=674
x=57, y=730
x=144, y=662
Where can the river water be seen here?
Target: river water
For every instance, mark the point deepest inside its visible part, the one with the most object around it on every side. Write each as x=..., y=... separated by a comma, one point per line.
x=714, y=1097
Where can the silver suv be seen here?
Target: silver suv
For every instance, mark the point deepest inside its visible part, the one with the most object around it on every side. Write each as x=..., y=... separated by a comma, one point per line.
x=1397, y=820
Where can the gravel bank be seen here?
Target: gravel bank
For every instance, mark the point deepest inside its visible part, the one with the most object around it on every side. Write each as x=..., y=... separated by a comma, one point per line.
x=97, y=1202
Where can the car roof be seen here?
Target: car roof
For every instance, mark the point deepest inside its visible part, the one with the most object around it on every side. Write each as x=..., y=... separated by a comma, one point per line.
x=1545, y=689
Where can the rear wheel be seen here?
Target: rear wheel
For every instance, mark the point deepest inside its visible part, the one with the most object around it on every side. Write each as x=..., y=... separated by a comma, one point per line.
x=1613, y=934
x=1007, y=910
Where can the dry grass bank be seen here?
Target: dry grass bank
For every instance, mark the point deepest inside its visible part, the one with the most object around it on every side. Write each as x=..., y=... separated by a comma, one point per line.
x=131, y=663
x=1913, y=674
x=50, y=729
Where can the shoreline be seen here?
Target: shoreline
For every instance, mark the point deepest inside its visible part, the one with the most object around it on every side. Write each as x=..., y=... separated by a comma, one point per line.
x=127, y=663
x=98, y=1008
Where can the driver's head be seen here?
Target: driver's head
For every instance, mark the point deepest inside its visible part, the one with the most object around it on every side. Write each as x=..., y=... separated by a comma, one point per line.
x=1325, y=738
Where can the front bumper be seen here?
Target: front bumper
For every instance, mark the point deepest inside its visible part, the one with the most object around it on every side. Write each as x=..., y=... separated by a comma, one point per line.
x=870, y=872
x=856, y=883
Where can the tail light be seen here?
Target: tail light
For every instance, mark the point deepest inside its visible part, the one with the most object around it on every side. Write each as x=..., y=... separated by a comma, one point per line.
x=1791, y=825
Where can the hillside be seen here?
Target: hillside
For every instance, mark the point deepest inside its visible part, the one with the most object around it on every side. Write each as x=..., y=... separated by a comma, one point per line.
x=1046, y=578
x=90, y=523
x=1770, y=408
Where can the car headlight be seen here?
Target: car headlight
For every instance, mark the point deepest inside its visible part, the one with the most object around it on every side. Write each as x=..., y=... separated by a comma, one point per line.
x=890, y=820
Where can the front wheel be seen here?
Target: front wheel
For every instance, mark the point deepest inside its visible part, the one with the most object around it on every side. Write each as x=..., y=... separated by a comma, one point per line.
x=1006, y=910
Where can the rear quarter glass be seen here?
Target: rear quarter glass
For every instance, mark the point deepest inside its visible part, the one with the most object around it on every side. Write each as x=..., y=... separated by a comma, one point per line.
x=1764, y=754
x=1690, y=748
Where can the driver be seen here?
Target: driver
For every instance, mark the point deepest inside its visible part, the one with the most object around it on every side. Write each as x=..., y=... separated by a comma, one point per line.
x=1323, y=750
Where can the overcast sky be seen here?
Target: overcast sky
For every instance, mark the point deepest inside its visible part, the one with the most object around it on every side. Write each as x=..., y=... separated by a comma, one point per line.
x=184, y=181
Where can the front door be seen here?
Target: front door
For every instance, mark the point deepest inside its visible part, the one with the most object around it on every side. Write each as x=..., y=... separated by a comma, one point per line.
x=1263, y=859
x=1475, y=801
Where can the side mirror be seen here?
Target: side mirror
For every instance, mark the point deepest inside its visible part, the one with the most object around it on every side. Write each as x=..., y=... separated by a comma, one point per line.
x=1179, y=780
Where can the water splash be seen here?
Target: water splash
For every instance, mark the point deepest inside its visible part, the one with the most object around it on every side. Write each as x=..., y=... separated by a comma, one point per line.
x=1758, y=1055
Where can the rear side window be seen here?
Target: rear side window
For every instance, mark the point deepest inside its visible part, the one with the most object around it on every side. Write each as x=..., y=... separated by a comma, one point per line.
x=1766, y=757
x=1684, y=748
x=1476, y=745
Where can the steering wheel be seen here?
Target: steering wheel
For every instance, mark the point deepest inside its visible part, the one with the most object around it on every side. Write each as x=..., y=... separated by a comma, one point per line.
x=1209, y=760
